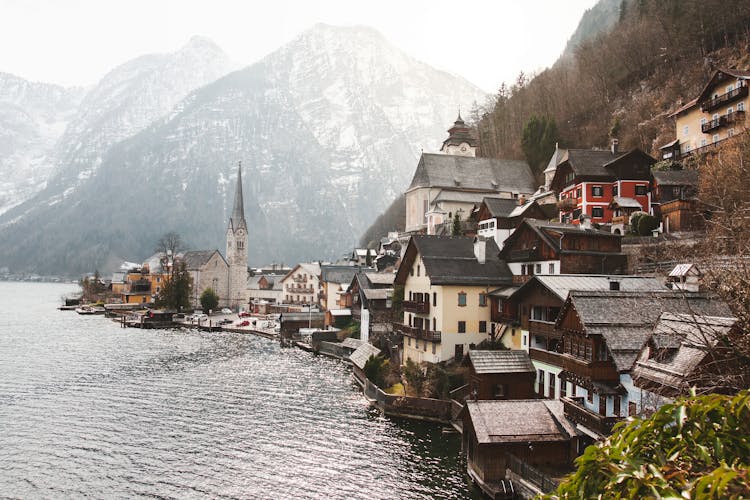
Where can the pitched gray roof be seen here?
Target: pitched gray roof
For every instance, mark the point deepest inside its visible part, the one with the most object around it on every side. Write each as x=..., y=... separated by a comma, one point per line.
x=500, y=207
x=562, y=284
x=198, y=258
x=590, y=162
x=691, y=336
x=360, y=356
x=626, y=319
x=483, y=174
x=451, y=260
x=338, y=274
x=381, y=278
x=501, y=361
x=515, y=421
x=351, y=343
x=676, y=177
x=625, y=202
x=557, y=157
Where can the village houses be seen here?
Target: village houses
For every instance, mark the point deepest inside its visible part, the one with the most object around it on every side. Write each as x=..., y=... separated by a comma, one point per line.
x=445, y=282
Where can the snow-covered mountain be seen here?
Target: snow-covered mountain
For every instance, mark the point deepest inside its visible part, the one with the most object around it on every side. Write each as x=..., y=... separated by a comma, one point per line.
x=328, y=128
x=33, y=116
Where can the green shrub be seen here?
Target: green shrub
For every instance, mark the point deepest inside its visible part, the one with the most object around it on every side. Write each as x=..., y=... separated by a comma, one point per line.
x=646, y=224
x=376, y=368
x=697, y=447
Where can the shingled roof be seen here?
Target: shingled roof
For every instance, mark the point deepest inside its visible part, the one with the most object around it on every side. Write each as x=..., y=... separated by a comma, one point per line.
x=338, y=274
x=360, y=356
x=691, y=337
x=676, y=177
x=501, y=362
x=626, y=319
x=480, y=174
x=562, y=284
x=513, y=421
x=500, y=207
x=451, y=260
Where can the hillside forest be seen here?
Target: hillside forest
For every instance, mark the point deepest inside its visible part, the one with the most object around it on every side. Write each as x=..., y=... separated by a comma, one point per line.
x=620, y=82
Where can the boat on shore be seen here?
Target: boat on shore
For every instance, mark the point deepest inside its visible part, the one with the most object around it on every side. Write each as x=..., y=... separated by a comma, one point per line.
x=85, y=310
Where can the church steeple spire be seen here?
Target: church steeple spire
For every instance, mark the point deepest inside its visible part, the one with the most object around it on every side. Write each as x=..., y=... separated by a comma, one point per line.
x=237, y=220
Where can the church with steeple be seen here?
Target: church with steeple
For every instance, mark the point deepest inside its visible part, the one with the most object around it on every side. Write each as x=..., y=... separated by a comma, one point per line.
x=225, y=274
x=237, y=247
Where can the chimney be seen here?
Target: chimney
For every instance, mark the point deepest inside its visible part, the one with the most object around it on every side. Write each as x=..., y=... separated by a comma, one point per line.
x=615, y=143
x=480, y=249
x=521, y=200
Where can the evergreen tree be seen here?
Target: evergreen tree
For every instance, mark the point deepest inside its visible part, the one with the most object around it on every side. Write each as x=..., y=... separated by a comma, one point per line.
x=176, y=290
x=456, y=229
x=538, y=141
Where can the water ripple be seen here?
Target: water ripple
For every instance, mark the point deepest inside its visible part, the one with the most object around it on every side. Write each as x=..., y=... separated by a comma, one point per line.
x=88, y=409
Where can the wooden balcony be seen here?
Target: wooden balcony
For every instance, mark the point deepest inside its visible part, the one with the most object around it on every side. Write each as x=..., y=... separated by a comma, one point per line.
x=417, y=333
x=300, y=279
x=416, y=307
x=603, y=371
x=546, y=328
x=527, y=254
x=549, y=357
x=621, y=219
x=723, y=99
x=575, y=410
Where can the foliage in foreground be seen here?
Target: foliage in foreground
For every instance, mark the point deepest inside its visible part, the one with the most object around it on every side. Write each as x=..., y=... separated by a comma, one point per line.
x=376, y=370
x=697, y=447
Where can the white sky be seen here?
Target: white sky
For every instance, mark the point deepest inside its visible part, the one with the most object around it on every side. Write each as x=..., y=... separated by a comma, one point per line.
x=75, y=42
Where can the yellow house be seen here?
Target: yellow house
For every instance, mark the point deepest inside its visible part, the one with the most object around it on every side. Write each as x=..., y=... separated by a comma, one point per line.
x=445, y=283
x=718, y=113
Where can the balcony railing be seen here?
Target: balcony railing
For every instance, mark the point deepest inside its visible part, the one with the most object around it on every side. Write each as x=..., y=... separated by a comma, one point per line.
x=723, y=99
x=417, y=333
x=416, y=307
x=574, y=409
x=546, y=328
x=527, y=254
x=544, y=482
x=300, y=279
x=552, y=358
x=604, y=371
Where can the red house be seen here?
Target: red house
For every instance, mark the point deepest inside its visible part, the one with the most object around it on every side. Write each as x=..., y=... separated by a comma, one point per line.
x=589, y=180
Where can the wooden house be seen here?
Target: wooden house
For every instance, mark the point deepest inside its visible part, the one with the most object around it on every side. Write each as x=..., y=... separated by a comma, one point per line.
x=532, y=310
x=684, y=351
x=675, y=202
x=589, y=180
x=517, y=435
x=539, y=247
x=602, y=334
x=500, y=375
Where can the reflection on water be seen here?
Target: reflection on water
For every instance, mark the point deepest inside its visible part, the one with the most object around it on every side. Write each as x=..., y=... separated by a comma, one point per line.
x=90, y=409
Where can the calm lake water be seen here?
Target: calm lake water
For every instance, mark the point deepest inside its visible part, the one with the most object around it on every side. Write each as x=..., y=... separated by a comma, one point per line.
x=90, y=409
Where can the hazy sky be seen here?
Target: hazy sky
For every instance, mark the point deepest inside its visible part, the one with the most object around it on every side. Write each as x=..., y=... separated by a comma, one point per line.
x=75, y=42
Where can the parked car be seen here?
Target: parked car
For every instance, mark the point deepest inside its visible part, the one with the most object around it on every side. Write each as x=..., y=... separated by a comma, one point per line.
x=226, y=310
x=244, y=314
x=200, y=316
x=225, y=321
x=243, y=323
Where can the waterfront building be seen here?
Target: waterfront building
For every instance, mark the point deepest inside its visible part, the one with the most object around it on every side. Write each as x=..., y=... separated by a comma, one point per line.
x=603, y=333
x=500, y=374
x=207, y=269
x=525, y=319
x=527, y=439
x=369, y=297
x=301, y=285
x=445, y=282
x=237, y=242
